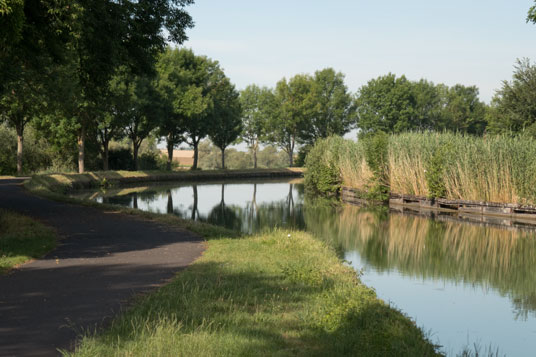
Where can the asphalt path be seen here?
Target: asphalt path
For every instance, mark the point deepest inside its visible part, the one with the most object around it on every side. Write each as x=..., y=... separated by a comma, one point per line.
x=103, y=259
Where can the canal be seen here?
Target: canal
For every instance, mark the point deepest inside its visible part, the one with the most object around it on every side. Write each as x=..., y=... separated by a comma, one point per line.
x=467, y=285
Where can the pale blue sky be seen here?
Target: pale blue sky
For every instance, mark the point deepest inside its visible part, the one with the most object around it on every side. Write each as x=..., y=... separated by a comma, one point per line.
x=467, y=42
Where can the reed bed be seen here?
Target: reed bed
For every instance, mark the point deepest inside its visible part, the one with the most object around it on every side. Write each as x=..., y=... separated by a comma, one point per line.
x=492, y=168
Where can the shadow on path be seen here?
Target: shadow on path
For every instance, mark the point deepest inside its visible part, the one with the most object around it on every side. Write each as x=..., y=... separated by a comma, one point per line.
x=101, y=261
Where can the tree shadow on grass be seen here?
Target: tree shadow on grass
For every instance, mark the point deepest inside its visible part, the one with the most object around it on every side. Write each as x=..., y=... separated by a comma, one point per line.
x=264, y=313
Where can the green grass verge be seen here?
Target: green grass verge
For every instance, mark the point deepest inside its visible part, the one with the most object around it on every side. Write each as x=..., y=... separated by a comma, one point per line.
x=22, y=239
x=282, y=293
x=64, y=182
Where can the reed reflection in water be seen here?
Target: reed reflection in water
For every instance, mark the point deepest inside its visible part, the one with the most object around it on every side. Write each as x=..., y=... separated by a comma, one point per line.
x=462, y=281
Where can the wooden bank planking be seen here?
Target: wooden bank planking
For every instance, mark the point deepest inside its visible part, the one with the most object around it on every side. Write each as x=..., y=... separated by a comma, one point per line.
x=503, y=214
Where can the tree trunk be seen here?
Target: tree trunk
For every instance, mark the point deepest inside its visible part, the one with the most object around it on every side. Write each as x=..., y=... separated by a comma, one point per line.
x=170, y=146
x=135, y=148
x=105, y=156
x=290, y=158
x=255, y=147
x=291, y=153
x=196, y=153
x=81, y=149
x=223, y=159
x=20, y=141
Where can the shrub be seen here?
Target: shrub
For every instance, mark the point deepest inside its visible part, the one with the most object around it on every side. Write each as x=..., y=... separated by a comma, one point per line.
x=376, y=151
x=149, y=161
x=322, y=163
x=435, y=173
x=120, y=159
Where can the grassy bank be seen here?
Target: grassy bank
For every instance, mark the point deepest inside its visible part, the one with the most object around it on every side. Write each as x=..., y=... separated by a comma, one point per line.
x=493, y=169
x=281, y=293
x=22, y=239
x=64, y=182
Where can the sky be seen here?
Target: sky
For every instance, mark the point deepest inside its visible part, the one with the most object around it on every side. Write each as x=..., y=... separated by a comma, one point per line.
x=471, y=42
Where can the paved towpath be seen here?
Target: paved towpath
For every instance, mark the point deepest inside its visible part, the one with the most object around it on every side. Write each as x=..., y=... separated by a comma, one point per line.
x=102, y=260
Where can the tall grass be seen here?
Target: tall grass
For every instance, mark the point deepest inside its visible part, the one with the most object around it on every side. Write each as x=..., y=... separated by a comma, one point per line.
x=493, y=168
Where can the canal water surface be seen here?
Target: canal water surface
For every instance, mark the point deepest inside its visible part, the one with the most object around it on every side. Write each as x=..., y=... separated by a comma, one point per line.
x=465, y=284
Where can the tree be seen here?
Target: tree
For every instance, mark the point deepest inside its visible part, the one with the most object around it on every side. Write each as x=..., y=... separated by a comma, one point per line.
x=255, y=104
x=226, y=115
x=514, y=105
x=531, y=16
x=180, y=84
x=289, y=110
x=12, y=20
x=428, y=102
x=393, y=105
x=463, y=111
x=386, y=104
x=33, y=40
x=136, y=105
x=206, y=75
x=19, y=105
x=332, y=107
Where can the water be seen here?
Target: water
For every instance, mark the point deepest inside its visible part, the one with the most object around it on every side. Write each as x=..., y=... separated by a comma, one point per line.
x=464, y=283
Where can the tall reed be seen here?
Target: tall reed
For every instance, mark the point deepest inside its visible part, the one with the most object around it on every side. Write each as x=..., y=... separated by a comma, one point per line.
x=491, y=168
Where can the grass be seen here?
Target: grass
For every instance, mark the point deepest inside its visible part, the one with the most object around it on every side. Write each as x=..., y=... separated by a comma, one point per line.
x=22, y=239
x=492, y=168
x=281, y=293
x=64, y=182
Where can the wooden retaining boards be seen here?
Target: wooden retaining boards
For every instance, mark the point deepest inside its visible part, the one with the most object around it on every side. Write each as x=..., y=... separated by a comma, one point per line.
x=479, y=220
x=524, y=214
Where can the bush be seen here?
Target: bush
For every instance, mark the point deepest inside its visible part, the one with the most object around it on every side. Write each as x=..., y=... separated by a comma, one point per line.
x=302, y=154
x=376, y=152
x=120, y=159
x=149, y=161
x=322, y=163
x=435, y=173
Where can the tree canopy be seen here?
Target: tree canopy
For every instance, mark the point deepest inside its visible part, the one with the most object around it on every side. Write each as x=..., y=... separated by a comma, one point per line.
x=94, y=39
x=514, y=105
x=180, y=83
x=531, y=16
x=226, y=121
x=255, y=102
x=332, y=107
x=395, y=104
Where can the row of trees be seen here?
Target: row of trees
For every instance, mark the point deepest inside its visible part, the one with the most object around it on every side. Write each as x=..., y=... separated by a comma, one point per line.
x=58, y=60
x=395, y=105
x=297, y=111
